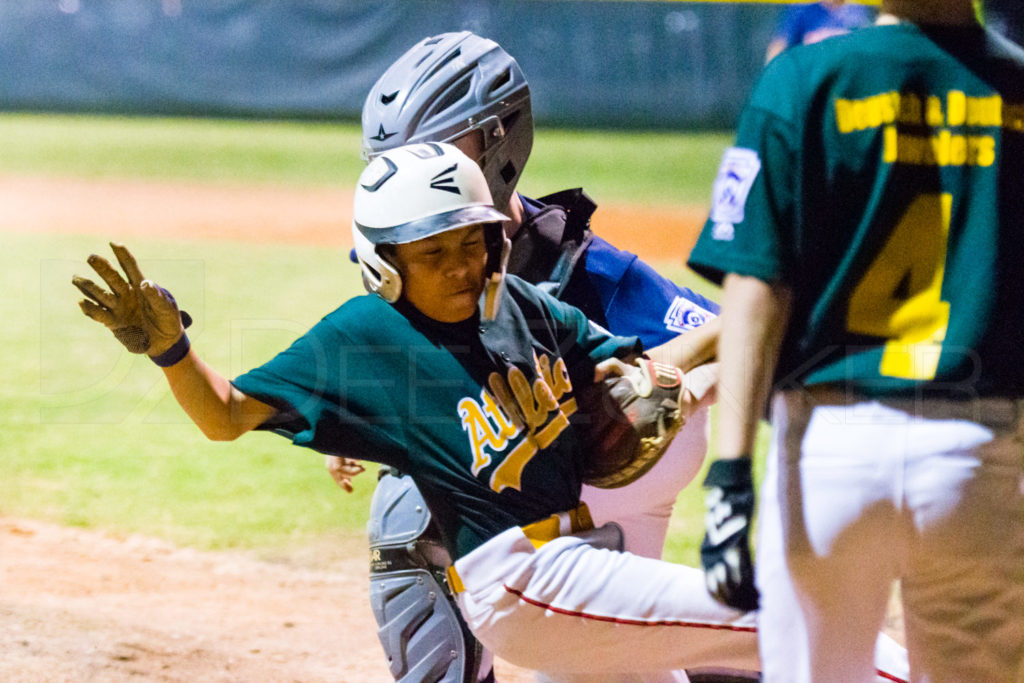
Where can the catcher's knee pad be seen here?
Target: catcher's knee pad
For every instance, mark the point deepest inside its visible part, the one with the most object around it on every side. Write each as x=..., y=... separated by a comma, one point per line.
x=420, y=627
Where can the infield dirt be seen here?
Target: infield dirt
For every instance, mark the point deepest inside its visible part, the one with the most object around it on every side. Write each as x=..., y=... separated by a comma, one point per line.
x=122, y=209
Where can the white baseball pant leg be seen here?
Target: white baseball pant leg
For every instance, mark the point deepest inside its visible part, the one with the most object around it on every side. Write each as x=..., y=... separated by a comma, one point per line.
x=858, y=494
x=570, y=606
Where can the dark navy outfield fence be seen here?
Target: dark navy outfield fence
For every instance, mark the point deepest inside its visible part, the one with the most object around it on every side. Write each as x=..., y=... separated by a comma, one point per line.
x=608, y=64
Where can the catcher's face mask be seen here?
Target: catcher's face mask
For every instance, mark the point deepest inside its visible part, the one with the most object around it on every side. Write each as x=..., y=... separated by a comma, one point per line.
x=448, y=87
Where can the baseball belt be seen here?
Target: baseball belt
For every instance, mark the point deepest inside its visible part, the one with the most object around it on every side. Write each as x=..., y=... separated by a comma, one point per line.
x=548, y=529
x=982, y=409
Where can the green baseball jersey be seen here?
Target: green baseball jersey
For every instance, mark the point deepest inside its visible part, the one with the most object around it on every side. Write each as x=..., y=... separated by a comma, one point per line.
x=479, y=413
x=880, y=176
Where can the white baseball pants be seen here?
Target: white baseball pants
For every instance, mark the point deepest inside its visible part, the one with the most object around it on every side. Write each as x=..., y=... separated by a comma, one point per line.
x=859, y=493
x=571, y=606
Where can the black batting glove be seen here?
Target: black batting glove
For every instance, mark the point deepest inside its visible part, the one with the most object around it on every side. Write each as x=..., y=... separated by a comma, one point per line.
x=725, y=552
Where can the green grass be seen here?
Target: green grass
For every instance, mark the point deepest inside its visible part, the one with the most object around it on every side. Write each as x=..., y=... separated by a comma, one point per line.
x=91, y=436
x=207, y=150
x=651, y=168
x=645, y=168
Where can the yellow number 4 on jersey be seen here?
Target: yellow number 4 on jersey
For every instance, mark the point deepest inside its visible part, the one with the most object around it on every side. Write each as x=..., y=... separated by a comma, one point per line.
x=900, y=297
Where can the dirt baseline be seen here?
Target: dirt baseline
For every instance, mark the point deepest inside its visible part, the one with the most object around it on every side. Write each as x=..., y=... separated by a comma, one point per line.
x=320, y=216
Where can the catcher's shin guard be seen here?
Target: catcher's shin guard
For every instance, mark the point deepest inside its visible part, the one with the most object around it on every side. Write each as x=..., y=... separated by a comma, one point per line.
x=418, y=623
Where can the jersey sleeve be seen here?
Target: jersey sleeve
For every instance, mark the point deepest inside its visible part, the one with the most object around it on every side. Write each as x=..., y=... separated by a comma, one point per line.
x=753, y=198
x=581, y=342
x=636, y=299
x=315, y=384
x=587, y=336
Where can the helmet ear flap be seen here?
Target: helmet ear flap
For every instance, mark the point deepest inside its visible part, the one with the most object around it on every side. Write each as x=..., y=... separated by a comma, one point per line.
x=379, y=276
x=390, y=288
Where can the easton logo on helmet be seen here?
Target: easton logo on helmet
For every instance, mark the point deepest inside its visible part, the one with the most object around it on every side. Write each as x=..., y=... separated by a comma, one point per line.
x=445, y=180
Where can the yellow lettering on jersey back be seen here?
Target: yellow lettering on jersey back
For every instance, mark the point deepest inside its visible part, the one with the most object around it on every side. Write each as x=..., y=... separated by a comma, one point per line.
x=941, y=149
x=953, y=110
x=956, y=108
x=985, y=111
x=844, y=116
x=973, y=111
x=957, y=150
x=933, y=112
x=871, y=112
x=982, y=150
x=890, y=145
x=948, y=143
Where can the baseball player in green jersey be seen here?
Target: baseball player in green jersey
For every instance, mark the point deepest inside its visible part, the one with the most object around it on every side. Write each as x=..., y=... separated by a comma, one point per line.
x=551, y=246
x=867, y=229
x=467, y=380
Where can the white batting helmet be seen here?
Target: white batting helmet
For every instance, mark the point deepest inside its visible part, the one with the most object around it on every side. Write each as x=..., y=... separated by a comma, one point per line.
x=416, y=191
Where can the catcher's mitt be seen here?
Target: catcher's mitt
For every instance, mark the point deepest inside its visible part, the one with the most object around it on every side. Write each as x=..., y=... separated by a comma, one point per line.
x=634, y=413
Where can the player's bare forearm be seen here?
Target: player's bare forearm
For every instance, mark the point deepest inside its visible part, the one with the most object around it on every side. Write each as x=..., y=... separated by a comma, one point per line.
x=754, y=318
x=145, y=318
x=222, y=412
x=690, y=349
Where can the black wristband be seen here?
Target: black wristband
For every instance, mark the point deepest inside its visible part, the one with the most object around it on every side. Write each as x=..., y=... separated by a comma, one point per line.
x=174, y=354
x=730, y=473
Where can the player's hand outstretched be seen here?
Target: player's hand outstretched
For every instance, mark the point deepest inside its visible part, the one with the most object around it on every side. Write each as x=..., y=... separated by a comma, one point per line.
x=725, y=552
x=142, y=316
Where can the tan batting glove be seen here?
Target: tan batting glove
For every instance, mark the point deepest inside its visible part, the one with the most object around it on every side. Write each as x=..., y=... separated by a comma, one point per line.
x=141, y=315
